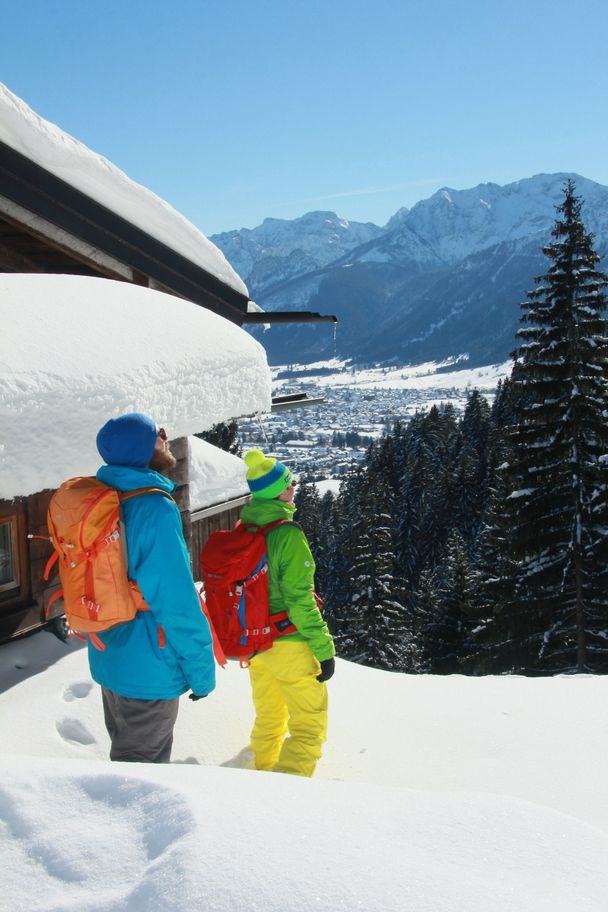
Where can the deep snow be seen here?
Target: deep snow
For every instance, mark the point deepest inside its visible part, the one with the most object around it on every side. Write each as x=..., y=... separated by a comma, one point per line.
x=64, y=156
x=75, y=351
x=434, y=795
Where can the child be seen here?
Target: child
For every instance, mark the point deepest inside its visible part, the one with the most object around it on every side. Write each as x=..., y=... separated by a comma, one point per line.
x=287, y=680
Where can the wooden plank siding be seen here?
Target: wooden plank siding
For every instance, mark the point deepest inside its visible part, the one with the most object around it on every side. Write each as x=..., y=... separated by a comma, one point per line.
x=24, y=609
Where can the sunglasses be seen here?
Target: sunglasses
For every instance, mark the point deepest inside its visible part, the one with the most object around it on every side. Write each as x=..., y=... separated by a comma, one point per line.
x=162, y=434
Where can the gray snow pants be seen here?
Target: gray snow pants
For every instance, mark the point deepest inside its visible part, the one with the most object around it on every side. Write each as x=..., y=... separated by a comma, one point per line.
x=141, y=731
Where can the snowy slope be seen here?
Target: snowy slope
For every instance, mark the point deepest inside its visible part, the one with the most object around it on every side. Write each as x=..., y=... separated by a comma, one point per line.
x=434, y=795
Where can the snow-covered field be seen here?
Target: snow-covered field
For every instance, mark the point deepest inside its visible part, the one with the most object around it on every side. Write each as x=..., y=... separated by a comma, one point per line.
x=435, y=794
x=428, y=376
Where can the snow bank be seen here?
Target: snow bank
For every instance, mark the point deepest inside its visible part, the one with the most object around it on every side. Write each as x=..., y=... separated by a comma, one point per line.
x=215, y=476
x=137, y=838
x=434, y=794
x=75, y=351
x=58, y=152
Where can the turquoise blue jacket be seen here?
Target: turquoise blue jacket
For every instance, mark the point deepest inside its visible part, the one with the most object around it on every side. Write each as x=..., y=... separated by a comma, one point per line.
x=133, y=663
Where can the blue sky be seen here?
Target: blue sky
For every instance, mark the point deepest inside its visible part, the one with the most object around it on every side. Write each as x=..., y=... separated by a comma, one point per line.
x=235, y=111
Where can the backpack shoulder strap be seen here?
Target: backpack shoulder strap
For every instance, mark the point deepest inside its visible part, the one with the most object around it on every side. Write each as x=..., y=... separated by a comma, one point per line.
x=127, y=495
x=273, y=525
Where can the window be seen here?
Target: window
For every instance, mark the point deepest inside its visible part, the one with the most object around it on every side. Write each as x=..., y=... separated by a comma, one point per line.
x=9, y=558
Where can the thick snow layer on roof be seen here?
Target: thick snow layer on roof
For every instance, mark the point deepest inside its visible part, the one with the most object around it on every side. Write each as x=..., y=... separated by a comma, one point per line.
x=58, y=152
x=75, y=351
x=215, y=476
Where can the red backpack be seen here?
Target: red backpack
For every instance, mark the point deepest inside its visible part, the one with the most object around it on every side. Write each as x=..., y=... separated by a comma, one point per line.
x=234, y=567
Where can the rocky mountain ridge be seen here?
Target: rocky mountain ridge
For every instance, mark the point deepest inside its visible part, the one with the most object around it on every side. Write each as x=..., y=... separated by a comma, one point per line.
x=442, y=279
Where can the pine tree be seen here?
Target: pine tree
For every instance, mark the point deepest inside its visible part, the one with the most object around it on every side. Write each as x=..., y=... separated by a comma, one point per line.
x=425, y=606
x=377, y=628
x=455, y=606
x=308, y=505
x=426, y=455
x=224, y=436
x=556, y=508
x=490, y=645
x=472, y=471
x=337, y=583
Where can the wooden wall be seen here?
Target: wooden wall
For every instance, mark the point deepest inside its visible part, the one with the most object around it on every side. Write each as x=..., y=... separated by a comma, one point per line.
x=25, y=610
x=39, y=553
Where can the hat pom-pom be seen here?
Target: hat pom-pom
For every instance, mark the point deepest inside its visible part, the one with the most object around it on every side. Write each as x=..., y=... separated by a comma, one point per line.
x=254, y=458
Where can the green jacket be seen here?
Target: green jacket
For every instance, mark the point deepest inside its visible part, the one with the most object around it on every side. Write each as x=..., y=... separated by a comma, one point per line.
x=291, y=575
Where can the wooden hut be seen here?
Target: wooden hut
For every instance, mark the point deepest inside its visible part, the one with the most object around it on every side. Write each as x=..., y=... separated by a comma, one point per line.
x=66, y=210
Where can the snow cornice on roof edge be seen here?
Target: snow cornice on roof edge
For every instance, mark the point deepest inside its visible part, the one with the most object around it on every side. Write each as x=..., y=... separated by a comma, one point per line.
x=78, y=350
x=70, y=165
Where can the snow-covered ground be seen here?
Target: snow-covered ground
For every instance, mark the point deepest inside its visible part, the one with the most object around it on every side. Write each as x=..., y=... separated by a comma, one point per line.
x=434, y=794
x=428, y=376
x=328, y=484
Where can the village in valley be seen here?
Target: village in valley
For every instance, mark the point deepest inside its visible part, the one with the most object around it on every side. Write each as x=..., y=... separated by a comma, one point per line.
x=357, y=406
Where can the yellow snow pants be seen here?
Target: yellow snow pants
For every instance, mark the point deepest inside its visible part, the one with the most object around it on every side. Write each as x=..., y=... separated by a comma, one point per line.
x=290, y=701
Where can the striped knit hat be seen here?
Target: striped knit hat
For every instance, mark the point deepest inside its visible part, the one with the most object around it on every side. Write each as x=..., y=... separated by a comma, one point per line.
x=266, y=476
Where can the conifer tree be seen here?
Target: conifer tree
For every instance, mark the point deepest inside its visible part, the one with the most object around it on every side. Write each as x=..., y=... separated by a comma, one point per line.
x=556, y=507
x=308, y=504
x=473, y=470
x=338, y=584
x=426, y=606
x=455, y=605
x=379, y=626
x=225, y=436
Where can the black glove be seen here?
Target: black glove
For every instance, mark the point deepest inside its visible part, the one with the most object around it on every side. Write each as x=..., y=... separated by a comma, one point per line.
x=328, y=666
x=194, y=696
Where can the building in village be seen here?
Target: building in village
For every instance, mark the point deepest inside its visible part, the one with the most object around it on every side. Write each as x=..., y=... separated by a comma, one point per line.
x=111, y=302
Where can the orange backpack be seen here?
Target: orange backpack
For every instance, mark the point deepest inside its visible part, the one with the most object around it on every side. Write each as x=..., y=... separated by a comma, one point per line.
x=85, y=531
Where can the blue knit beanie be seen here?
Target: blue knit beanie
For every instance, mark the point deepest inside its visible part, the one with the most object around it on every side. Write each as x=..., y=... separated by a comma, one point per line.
x=128, y=440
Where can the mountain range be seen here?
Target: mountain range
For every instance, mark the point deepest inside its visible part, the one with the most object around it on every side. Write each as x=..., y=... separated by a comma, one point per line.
x=442, y=279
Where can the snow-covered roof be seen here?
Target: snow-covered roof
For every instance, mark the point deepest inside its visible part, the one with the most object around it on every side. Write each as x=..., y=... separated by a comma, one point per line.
x=215, y=476
x=75, y=351
x=48, y=146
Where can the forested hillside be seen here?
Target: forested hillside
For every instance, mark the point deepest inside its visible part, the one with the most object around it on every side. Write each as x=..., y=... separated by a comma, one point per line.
x=480, y=544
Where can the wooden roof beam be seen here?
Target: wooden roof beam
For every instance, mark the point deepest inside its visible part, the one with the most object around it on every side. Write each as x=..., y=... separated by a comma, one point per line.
x=12, y=261
x=62, y=240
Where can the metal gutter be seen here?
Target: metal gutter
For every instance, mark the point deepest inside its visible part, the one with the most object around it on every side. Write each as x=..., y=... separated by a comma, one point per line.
x=220, y=508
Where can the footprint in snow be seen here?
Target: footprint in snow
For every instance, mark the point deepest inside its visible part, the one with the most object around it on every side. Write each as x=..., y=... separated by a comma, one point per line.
x=150, y=823
x=77, y=691
x=74, y=731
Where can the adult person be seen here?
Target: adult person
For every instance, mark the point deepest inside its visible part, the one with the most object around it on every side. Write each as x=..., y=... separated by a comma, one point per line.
x=287, y=680
x=149, y=662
